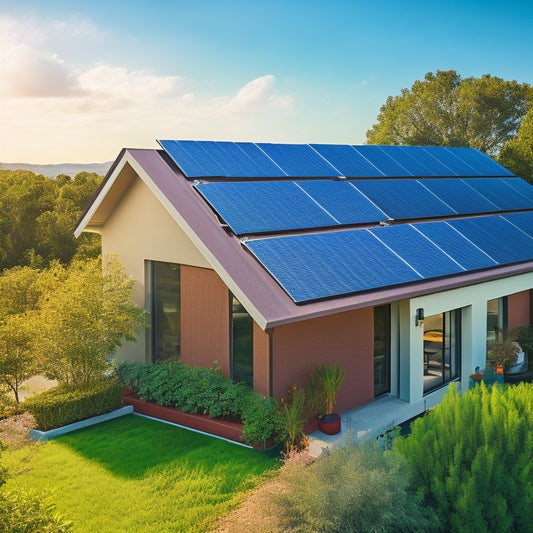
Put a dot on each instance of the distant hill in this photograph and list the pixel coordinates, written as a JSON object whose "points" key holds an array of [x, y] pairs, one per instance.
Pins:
{"points": [[51, 171]]}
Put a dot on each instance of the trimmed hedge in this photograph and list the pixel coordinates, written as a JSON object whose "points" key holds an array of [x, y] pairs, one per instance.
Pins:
{"points": [[200, 390], [62, 405]]}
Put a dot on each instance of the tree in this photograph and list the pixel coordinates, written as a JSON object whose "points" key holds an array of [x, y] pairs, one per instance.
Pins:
{"points": [[447, 110], [85, 316], [517, 154]]}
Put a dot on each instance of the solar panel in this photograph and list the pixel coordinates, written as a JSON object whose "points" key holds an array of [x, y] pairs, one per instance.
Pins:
{"points": [[403, 199], [497, 237], [446, 156], [428, 260], [499, 192], [314, 266], [192, 159], [299, 160], [343, 201], [409, 159], [262, 206], [482, 163], [382, 161], [459, 196], [267, 166], [523, 221], [455, 245], [521, 186], [347, 160]]}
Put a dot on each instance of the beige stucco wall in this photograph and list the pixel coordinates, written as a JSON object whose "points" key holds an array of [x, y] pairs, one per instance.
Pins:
{"points": [[140, 229]]}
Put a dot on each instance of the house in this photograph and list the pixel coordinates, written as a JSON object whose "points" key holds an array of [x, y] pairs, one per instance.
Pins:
{"points": [[398, 262]]}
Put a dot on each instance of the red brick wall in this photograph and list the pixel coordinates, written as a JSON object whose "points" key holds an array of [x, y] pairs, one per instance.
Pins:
{"points": [[345, 338]]}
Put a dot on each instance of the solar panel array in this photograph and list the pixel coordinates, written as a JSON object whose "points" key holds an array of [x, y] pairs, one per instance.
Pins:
{"points": [[413, 213], [203, 159]]}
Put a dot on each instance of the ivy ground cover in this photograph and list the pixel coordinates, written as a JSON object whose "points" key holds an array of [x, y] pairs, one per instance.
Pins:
{"points": [[137, 474]]}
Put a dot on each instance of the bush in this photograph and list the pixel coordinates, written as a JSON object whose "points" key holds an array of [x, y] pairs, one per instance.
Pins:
{"points": [[294, 415], [356, 488], [63, 405], [260, 417], [471, 457]]}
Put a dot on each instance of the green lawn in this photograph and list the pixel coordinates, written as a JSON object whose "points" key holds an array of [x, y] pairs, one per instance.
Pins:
{"points": [[135, 474]]}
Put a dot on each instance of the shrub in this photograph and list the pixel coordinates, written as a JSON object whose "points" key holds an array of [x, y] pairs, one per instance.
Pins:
{"points": [[294, 415], [63, 405], [471, 457], [260, 418], [356, 488]]}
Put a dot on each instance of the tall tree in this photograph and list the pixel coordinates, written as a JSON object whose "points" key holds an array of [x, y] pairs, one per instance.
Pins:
{"points": [[517, 154], [447, 110]]}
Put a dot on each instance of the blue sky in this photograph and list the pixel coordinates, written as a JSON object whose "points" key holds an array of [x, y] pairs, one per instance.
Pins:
{"points": [[81, 80]]}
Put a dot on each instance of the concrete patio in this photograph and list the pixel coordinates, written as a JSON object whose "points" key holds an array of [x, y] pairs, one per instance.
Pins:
{"points": [[367, 422]]}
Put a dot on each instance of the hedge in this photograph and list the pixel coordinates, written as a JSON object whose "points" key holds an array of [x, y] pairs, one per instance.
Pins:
{"points": [[62, 405]]}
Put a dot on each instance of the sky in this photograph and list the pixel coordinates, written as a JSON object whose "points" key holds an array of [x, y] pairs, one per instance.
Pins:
{"points": [[81, 80]]}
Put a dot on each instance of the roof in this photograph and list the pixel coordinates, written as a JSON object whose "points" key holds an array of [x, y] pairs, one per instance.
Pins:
{"points": [[300, 231]]}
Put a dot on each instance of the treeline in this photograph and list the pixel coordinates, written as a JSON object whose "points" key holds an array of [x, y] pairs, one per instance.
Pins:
{"points": [[38, 216]]}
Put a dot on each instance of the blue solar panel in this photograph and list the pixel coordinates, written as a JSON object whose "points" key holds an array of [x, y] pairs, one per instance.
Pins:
{"points": [[482, 163], [417, 251], [403, 199], [523, 221], [499, 192], [448, 159], [455, 245], [315, 266], [410, 159], [256, 207], [192, 159], [497, 237], [267, 166], [347, 161], [343, 201], [459, 196], [381, 160], [299, 160], [521, 186]]}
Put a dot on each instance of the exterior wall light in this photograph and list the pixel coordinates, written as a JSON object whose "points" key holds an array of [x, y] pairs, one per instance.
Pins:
{"points": [[419, 317]]}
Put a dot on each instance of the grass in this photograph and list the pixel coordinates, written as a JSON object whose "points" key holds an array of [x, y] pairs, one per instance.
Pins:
{"points": [[137, 474]]}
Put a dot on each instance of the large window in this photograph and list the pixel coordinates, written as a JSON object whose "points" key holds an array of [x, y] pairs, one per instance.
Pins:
{"points": [[242, 346], [442, 349], [381, 350], [163, 283]]}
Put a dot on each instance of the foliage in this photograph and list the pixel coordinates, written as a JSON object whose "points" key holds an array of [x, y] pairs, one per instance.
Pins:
{"points": [[471, 457], [447, 110], [85, 319], [355, 488], [134, 474], [326, 380], [523, 335], [502, 353], [17, 360], [517, 154], [202, 390], [294, 416], [39, 215], [63, 405]]}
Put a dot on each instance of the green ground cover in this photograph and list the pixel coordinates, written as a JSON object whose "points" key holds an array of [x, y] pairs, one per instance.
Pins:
{"points": [[136, 474]]}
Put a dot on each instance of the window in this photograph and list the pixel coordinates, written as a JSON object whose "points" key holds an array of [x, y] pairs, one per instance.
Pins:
{"points": [[242, 347], [497, 319], [163, 301], [442, 349], [381, 349]]}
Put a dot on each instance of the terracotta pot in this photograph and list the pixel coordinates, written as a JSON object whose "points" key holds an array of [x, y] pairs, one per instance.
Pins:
{"points": [[329, 424], [498, 369]]}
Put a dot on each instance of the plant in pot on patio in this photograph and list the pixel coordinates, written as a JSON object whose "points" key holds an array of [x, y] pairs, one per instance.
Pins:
{"points": [[326, 380], [502, 354]]}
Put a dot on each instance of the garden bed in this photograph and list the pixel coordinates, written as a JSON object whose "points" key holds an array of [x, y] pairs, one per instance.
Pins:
{"points": [[220, 428]]}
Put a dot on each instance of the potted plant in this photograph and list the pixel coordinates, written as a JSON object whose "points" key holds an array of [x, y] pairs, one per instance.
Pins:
{"points": [[326, 380], [502, 354]]}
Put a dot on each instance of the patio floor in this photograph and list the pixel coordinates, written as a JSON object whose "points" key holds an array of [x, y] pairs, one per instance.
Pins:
{"points": [[367, 422]]}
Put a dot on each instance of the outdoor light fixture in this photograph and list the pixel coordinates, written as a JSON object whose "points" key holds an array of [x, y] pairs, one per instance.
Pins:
{"points": [[419, 317]]}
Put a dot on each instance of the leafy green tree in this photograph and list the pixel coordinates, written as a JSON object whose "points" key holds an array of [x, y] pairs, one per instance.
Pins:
{"points": [[447, 110], [517, 154], [85, 316]]}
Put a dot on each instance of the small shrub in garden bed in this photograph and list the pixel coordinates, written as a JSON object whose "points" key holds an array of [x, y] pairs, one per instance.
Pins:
{"points": [[63, 405]]}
